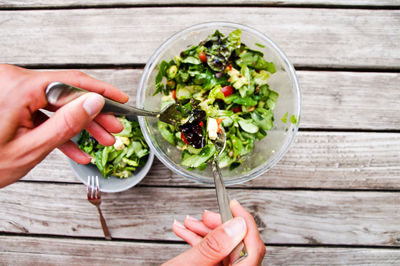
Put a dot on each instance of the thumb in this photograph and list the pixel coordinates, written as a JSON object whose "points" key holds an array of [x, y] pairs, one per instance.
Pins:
{"points": [[217, 245], [67, 121]]}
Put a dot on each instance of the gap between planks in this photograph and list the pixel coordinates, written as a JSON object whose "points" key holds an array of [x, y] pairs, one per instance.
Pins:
{"points": [[356, 69], [101, 240], [233, 187], [47, 5]]}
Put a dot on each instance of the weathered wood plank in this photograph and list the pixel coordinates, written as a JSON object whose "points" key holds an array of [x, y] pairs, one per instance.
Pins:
{"points": [[310, 37], [351, 100], [316, 160], [292, 217], [46, 251], [94, 3], [50, 251], [330, 256]]}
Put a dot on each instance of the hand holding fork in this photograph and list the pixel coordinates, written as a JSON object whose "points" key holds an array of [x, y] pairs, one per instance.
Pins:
{"points": [[94, 197]]}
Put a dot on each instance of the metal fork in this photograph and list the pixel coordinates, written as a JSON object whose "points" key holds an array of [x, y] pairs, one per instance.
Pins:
{"points": [[94, 197]]}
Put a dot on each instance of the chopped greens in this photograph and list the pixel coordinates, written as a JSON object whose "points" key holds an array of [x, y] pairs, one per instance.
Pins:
{"points": [[284, 118], [260, 45], [293, 119], [121, 160], [221, 83]]}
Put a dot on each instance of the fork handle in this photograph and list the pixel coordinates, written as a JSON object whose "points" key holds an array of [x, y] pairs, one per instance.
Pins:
{"points": [[107, 234], [239, 252]]}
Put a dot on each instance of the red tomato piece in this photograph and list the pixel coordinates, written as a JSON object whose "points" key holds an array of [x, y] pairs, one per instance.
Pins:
{"points": [[227, 90], [174, 94], [203, 57], [201, 124]]}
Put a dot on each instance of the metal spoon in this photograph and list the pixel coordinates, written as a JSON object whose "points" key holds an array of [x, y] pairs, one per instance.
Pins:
{"points": [[239, 252], [59, 94]]}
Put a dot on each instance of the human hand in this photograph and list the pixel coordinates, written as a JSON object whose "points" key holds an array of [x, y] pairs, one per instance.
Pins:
{"points": [[213, 241], [27, 135]]}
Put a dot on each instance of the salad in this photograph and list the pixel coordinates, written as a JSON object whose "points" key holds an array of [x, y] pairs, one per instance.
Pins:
{"points": [[121, 160], [221, 84]]}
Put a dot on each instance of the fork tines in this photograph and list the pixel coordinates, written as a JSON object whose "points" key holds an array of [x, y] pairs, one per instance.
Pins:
{"points": [[93, 189]]}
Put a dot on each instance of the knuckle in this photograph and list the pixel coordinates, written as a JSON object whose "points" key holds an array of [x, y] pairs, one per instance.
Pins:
{"points": [[79, 77], [210, 248], [7, 67], [3, 67], [263, 250], [77, 73]]}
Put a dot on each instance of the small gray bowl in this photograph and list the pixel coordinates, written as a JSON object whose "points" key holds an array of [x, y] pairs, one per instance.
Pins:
{"points": [[112, 184]]}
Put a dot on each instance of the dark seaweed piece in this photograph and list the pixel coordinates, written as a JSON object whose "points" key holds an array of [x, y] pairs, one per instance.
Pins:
{"points": [[192, 131]]}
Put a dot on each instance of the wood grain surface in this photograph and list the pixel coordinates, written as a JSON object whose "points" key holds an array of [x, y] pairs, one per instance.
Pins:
{"points": [[316, 160], [23, 250], [94, 3], [339, 38], [283, 217], [332, 200]]}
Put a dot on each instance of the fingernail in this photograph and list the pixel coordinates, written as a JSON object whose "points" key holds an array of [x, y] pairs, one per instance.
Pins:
{"points": [[235, 227], [93, 104], [234, 202], [178, 224], [191, 218], [206, 211]]}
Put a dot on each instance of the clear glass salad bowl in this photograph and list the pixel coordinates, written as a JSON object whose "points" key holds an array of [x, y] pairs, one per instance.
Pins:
{"points": [[269, 150]]}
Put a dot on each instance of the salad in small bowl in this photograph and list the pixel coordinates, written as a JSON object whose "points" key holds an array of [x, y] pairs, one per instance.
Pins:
{"points": [[120, 166], [225, 76]]}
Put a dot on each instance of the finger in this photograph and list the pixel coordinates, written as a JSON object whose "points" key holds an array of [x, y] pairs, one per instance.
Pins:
{"points": [[84, 81], [187, 235], [63, 125], [215, 246], [211, 219], [71, 150], [196, 226], [99, 133], [109, 123], [254, 245]]}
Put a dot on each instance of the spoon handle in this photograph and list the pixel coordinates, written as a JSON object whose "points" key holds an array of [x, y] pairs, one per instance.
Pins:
{"points": [[59, 94], [239, 252]]}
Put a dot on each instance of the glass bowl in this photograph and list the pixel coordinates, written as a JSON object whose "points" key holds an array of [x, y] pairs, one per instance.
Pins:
{"points": [[269, 150]]}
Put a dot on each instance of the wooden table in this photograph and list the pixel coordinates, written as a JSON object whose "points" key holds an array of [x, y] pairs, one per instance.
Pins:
{"points": [[333, 199]]}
